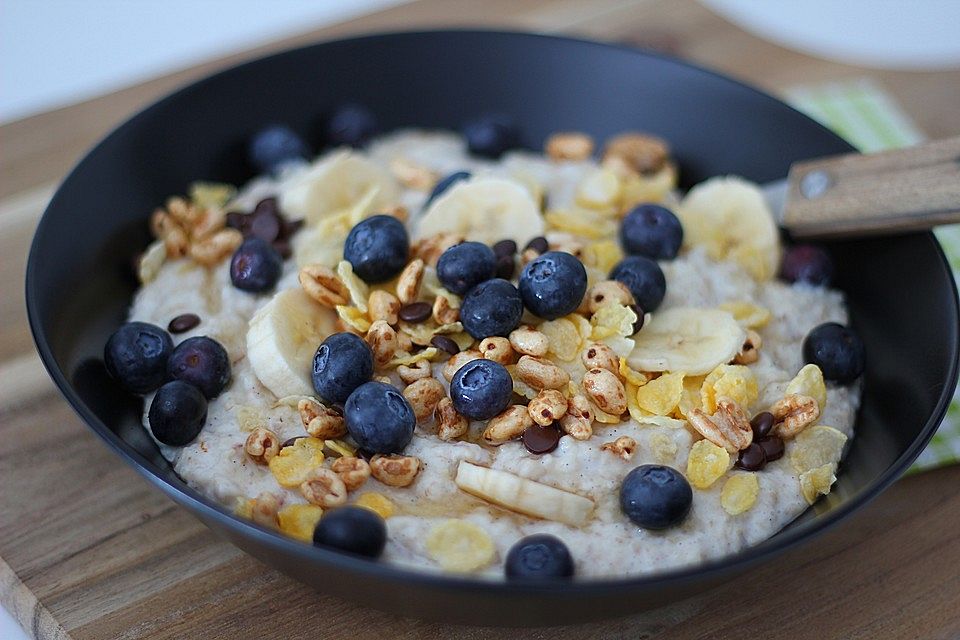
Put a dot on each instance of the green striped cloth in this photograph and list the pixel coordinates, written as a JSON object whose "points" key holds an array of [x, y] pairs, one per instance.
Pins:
{"points": [[867, 116]]}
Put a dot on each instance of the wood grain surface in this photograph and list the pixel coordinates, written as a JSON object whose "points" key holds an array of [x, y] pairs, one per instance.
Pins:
{"points": [[90, 550]]}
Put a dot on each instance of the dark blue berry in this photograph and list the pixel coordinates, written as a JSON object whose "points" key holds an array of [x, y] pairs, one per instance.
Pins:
{"points": [[491, 308], [256, 266], [274, 146], [445, 184], [655, 497], [837, 350], [652, 231], [136, 356], [481, 389], [203, 362], [464, 265], [807, 263], [491, 136], [352, 125], [352, 529], [177, 413], [552, 285], [342, 363], [379, 418], [644, 279], [539, 557], [377, 248]]}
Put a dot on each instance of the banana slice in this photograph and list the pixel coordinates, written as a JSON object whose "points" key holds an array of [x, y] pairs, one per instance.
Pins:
{"points": [[729, 216], [687, 339], [282, 338], [523, 495], [322, 243], [334, 183], [485, 210]]}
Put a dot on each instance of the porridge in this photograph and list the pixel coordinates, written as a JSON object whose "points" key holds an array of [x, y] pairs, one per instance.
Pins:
{"points": [[479, 360]]}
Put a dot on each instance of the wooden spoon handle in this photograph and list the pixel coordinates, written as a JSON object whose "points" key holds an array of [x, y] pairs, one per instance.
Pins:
{"points": [[882, 193]]}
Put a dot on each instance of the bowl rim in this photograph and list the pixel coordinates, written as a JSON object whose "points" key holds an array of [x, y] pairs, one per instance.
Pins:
{"points": [[194, 501]]}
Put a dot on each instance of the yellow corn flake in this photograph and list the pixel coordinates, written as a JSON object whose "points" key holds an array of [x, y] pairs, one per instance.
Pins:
{"points": [[603, 417], [563, 338], [359, 291], [733, 381], [463, 339], [582, 222], [635, 378], [403, 358], [248, 417], [353, 318], [584, 328], [640, 188], [661, 395], [341, 448], [739, 493], [815, 447], [662, 421], [294, 464], [460, 546], [603, 255], [376, 502], [747, 314], [633, 408], [299, 520], [422, 332], [809, 382], [211, 194], [600, 190], [817, 482], [690, 399], [706, 464], [663, 448], [612, 320], [243, 507]]}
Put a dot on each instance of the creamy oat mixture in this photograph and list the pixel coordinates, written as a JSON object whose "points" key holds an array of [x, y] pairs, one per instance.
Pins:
{"points": [[722, 307]]}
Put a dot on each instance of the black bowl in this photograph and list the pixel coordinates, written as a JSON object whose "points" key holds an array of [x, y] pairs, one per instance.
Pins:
{"points": [[900, 290]]}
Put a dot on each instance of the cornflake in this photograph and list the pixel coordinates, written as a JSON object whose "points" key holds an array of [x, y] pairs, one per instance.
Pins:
{"points": [[631, 376], [582, 222], [376, 502], [747, 314], [340, 447], [612, 320], [211, 194], [817, 482], [294, 464], [809, 382], [603, 255], [460, 546], [353, 318], [815, 447], [299, 520], [733, 381], [563, 338], [661, 395], [359, 291], [690, 399], [407, 359], [706, 464], [739, 493], [422, 332]]}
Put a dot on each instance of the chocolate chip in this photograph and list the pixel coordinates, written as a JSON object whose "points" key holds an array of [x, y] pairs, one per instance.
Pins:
{"points": [[265, 224], [772, 447], [283, 248], [290, 227], [364, 454], [415, 312], [183, 323], [752, 458], [445, 344], [237, 220], [505, 248], [538, 244], [539, 439], [762, 424], [267, 205], [639, 323], [506, 267]]}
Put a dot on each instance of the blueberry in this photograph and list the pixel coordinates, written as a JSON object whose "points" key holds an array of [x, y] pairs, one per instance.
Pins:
{"points": [[203, 362], [539, 557], [256, 266], [491, 308], [644, 279], [275, 145], [342, 363], [807, 263], [445, 184], [379, 418], [177, 413], [837, 350], [491, 136], [652, 231], [352, 529], [464, 265], [377, 248], [655, 497], [481, 389], [552, 285], [352, 125], [136, 356]]}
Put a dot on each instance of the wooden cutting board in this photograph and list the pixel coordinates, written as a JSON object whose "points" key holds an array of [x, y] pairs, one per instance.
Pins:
{"points": [[89, 550]]}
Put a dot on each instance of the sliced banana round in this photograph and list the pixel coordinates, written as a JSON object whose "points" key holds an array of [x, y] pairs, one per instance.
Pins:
{"points": [[523, 495], [283, 337], [484, 209], [687, 339], [336, 182], [729, 216]]}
